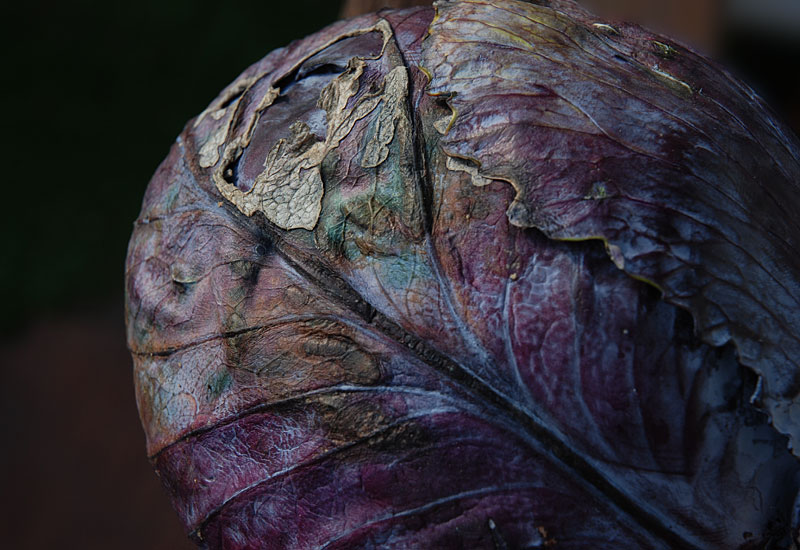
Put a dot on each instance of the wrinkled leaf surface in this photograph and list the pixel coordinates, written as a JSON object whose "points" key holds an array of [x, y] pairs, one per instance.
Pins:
{"points": [[369, 308]]}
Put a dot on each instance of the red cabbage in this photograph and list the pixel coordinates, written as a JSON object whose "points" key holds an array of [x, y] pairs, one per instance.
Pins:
{"points": [[495, 274]]}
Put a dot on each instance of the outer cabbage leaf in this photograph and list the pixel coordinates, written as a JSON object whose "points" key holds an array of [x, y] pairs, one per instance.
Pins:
{"points": [[625, 136], [350, 332]]}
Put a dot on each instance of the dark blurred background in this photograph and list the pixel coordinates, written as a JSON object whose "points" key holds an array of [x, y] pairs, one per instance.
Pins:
{"points": [[95, 93]]}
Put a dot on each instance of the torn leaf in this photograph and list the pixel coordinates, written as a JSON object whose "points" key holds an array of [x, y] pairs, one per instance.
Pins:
{"points": [[394, 108], [289, 189]]}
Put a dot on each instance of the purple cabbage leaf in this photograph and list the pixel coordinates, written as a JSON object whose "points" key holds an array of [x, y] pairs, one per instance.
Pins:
{"points": [[493, 274]]}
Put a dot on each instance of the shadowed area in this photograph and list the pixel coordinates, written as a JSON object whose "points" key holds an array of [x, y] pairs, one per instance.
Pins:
{"points": [[72, 468]]}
